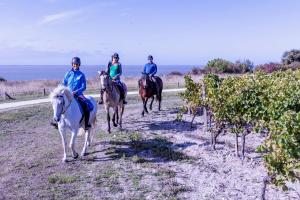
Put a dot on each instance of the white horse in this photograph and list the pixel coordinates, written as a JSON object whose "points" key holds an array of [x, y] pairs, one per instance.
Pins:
{"points": [[67, 113], [111, 99]]}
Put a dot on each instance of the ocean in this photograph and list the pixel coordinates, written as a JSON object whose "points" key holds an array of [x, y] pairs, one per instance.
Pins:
{"points": [[57, 72]]}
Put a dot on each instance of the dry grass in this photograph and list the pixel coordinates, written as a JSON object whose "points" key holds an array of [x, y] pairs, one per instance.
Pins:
{"points": [[22, 90]]}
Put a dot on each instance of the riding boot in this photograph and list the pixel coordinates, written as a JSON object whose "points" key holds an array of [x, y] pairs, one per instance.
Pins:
{"points": [[86, 120], [101, 97], [122, 94]]}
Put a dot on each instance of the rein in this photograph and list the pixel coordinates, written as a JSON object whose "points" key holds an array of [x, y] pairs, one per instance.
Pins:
{"points": [[66, 109]]}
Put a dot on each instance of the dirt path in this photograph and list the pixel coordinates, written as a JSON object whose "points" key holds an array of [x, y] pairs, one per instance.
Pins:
{"points": [[154, 157]]}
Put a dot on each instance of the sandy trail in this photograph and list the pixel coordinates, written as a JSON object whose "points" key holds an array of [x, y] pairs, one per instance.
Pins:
{"points": [[154, 157]]}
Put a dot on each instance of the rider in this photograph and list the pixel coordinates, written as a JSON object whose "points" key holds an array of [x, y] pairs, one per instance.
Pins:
{"points": [[76, 82], [150, 69], [114, 69]]}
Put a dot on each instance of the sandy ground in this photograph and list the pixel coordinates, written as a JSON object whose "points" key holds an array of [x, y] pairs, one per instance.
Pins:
{"points": [[154, 157]]}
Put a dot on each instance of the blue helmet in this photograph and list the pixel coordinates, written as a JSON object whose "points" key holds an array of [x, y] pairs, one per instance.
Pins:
{"points": [[76, 61]]}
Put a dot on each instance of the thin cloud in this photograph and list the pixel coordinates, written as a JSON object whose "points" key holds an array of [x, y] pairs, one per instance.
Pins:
{"points": [[59, 16]]}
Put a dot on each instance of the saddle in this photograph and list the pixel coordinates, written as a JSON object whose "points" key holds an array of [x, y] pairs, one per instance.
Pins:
{"points": [[121, 87], [85, 105], [85, 102]]}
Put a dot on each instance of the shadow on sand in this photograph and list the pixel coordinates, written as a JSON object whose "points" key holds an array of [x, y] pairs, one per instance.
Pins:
{"points": [[144, 150]]}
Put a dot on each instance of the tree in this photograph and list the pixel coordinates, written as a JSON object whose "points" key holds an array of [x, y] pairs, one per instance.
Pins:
{"points": [[289, 57]]}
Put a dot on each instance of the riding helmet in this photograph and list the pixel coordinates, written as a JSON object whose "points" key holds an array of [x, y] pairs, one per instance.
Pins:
{"points": [[76, 61], [115, 55], [150, 57]]}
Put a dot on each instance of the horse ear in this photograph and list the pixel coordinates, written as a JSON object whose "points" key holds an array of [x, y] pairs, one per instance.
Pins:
{"points": [[68, 94], [101, 73]]}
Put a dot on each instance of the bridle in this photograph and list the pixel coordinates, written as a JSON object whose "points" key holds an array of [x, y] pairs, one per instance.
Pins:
{"points": [[107, 81], [143, 81], [65, 109]]}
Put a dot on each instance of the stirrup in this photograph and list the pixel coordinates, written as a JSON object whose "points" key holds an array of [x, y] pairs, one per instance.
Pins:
{"points": [[100, 102], [124, 101]]}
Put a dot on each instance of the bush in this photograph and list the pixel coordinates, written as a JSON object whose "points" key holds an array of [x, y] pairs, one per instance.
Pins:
{"points": [[289, 57], [198, 70], [293, 66], [2, 79], [175, 73], [223, 66], [217, 65], [269, 67]]}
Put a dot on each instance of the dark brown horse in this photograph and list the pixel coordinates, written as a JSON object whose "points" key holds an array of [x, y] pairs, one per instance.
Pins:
{"points": [[147, 90]]}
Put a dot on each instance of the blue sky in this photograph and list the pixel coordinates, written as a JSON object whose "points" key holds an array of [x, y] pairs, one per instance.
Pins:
{"points": [[175, 32]]}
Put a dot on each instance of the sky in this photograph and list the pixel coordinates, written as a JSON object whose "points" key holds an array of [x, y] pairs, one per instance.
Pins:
{"points": [[182, 32]]}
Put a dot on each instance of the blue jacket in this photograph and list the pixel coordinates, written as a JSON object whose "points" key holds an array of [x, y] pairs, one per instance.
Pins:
{"points": [[76, 81], [150, 68]]}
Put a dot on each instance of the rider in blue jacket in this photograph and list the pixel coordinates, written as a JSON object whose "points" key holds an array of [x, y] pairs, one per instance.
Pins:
{"points": [[76, 82], [75, 79], [151, 69]]}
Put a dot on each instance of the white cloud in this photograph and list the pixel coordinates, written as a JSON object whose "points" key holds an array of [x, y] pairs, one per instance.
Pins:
{"points": [[59, 16]]}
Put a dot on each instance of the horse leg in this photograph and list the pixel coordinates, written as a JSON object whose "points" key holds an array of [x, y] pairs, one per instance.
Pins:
{"points": [[72, 144], [86, 143], [143, 112], [108, 120], [115, 117], [145, 105], [159, 101], [121, 114], [150, 107], [89, 140], [117, 113], [64, 142]]}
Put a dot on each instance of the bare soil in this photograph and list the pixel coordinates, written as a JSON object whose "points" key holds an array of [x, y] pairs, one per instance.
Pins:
{"points": [[154, 157]]}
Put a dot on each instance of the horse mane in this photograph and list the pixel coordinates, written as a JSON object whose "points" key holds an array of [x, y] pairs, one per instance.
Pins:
{"points": [[59, 90]]}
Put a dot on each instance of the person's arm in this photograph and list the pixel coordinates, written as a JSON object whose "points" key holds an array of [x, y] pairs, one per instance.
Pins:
{"points": [[120, 72], [108, 67], [65, 81], [155, 70], [145, 67], [82, 85]]}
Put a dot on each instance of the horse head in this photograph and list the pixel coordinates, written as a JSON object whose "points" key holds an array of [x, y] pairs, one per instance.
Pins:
{"points": [[105, 80], [144, 82], [61, 97]]}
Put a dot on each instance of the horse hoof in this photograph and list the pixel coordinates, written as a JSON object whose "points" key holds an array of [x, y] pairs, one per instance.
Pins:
{"points": [[64, 160], [75, 156], [115, 125], [83, 155]]}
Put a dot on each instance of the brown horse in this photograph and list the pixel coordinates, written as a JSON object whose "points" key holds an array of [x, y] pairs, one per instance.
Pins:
{"points": [[147, 89]]}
